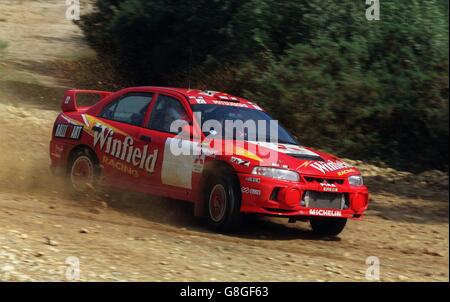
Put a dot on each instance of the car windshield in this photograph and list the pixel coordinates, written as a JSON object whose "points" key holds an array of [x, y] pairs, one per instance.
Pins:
{"points": [[257, 124]]}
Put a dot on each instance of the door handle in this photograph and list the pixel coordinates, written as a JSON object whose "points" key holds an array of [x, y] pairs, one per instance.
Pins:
{"points": [[146, 138]]}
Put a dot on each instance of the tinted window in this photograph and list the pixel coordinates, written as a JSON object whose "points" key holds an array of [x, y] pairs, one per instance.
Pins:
{"points": [[166, 111], [231, 113], [130, 109]]}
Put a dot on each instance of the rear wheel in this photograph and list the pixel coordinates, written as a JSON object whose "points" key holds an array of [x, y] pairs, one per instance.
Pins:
{"points": [[327, 226], [223, 203], [83, 172]]}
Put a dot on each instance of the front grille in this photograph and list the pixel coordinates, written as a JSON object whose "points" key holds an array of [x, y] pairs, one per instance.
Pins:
{"points": [[324, 180], [325, 200]]}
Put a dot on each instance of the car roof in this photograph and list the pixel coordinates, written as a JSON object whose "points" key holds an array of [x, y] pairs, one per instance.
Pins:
{"points": [[196, 96]]}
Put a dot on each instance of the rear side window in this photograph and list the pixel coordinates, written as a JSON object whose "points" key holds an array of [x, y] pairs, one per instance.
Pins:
{"points": [[130, 109]]}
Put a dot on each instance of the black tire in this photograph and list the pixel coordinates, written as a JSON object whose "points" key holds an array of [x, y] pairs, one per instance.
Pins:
{"points": [[87, 158], [231, 217], [327, 226]]}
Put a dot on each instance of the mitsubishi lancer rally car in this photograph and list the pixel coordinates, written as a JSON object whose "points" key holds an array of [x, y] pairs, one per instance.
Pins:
{"points": [[176, 143]]}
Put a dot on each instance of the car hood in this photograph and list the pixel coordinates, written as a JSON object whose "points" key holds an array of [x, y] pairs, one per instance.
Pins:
{"points": [[304, 160]]}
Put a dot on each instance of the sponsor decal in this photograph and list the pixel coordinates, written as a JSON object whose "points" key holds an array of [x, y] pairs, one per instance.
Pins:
{"points": [[330, 166], [68, 131], [93, 121], [328, 187], [76, 132], [85, 120], [58, 151], [305, 164], [287, 148], [120, 166], [199, 163], [240, 162], [124, 149], [328, 213], [199, 99], [246, 153], [177, 167], [61, 131], [346, 172], [227, 103], [247, 190], [253, 179]]}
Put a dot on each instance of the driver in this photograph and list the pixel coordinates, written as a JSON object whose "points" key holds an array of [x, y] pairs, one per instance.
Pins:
{"points": [[172, 114]]}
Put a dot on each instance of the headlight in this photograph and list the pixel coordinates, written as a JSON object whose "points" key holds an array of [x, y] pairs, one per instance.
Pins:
{"points": [[355, 180], [276, 173]]}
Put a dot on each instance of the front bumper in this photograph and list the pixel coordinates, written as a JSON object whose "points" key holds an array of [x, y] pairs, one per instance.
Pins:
{"points": [[273, 197]]}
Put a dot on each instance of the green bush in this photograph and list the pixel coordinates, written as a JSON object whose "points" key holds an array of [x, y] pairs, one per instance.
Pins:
{"points": [[378, 91], [366, 89], [152, 42]]}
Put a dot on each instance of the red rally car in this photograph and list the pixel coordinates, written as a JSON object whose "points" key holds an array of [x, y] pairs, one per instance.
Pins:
{"points": [[128, 140]]}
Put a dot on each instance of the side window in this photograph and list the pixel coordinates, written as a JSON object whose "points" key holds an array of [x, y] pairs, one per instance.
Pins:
{"points": [[165, 112], [130, 109], [108, 111]]}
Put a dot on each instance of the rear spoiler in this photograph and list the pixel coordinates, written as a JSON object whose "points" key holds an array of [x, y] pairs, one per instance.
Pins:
{"points": [[69, 102]]}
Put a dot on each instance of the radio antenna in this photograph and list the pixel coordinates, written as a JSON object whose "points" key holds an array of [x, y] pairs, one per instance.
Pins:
{"points": [[189, 67]]}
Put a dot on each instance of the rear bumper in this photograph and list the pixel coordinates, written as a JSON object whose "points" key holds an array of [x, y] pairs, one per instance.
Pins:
{"points": [[267, 196]]}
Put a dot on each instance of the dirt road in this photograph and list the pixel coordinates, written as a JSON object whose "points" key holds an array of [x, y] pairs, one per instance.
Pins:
{"points": [[44, 232]]}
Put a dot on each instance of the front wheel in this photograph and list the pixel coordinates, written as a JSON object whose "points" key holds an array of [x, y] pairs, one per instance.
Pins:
{"points": [[327, 226], [223, 204]]}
